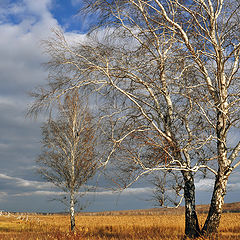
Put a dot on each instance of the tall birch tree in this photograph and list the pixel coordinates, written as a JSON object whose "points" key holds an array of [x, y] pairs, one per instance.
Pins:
{"points": [[208, 32]]}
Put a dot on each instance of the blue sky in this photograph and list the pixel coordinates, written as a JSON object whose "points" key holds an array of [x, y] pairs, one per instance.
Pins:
{"points": [[23, 24]]}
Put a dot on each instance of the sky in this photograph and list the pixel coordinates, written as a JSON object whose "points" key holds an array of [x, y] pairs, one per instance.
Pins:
{"points": [[23, 25]]}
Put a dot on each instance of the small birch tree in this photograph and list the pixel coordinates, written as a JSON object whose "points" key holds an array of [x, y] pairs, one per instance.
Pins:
{"points": [[68, 155]]}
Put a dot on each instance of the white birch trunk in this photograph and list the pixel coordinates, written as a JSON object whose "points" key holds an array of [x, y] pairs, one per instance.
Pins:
{"points": [[72, 211]]}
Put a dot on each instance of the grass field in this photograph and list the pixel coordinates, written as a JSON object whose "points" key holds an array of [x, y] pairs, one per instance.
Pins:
{"points": [[157, 227]]}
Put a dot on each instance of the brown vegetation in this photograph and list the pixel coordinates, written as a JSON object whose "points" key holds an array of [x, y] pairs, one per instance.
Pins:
{"points": [[155, 225]]}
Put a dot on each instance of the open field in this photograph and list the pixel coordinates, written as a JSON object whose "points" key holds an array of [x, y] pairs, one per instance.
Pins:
{"points": [[112, 226]]}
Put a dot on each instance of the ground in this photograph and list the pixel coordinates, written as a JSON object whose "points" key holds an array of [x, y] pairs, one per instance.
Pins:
{"points": [[143, 224]]}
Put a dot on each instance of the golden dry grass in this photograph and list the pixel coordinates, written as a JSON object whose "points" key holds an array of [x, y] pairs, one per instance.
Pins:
{"points": [[155, 227]]}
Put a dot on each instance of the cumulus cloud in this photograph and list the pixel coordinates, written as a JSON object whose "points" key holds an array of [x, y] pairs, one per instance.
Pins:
{"points": [[21, 55]]}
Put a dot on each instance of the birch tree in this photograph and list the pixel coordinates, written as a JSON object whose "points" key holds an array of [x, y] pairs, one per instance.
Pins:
{"points": [[208, 32], [168, 72], [68, 156]]}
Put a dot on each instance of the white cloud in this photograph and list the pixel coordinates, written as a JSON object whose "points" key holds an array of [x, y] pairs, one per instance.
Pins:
{"points": [[4, 176], [208, 184], [74, 38], [23, 183], [29, 188], [137, 190], [204, 184], [43, 185], [128, 191], [21, 54], [38, 7], [39, 193]]}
